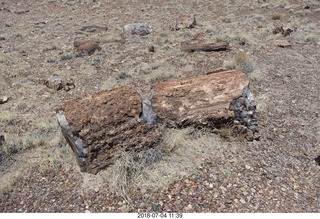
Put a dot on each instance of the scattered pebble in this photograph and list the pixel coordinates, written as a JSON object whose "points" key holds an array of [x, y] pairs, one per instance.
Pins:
{"points": [[4, 99]]}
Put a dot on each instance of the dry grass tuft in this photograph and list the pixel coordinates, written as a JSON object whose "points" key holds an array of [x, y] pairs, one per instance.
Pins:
{"points": [[179, 154], [242, 61], [276, 17], [7, 185]]}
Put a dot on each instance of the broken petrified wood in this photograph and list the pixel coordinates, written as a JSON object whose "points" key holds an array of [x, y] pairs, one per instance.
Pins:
{"points": [[207, 47], [199, 100], [100, 126]]}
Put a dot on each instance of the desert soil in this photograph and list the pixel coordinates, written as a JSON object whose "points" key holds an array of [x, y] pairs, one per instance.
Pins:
{"points": [[278, 173]]}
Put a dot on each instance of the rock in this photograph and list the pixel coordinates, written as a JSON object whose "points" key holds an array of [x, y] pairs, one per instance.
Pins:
{"points": [[243, 201], [285, 31], [317, 160], [192, 22], [284, 44], [100, 126], [151, 49], [56, 83], [89, 46], [141, 29], [184, 22], [154, 207], [188, 208], [4, 99], [2, 140]]}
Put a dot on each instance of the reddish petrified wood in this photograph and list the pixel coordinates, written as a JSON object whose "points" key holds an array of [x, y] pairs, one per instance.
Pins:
{"points": [[201, 99]]}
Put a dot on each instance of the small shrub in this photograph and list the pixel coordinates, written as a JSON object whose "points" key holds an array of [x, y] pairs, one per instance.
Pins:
{"points": [[276, 17], [160, 77], [122, 75], [241, 62]]}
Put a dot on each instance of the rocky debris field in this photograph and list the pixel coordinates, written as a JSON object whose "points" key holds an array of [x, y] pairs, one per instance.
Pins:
{"points": [[52, 51]]}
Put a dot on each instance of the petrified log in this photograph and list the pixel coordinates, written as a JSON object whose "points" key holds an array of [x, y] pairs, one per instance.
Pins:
{"points": [[100, 126], [207, 47], [198, 100]]}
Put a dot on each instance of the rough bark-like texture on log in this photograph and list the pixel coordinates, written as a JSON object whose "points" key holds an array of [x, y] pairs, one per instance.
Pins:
{"points": [[106, 123], [198, 100], [209, 47]]}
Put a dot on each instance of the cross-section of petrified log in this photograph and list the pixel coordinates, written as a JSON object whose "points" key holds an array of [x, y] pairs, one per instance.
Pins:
{"points": [[100, 126], [198, 100]]}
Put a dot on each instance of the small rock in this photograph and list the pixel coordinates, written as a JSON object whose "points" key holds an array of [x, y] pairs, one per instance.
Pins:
{"points": [[96, 190], [54, 82], [242, 201], [188, 208], [211, 185], [2, 140], [284, 44], [223, 189], [87, 211], [151, 49], [141, 29], [4, 99], [154, 207], [89, 46]]}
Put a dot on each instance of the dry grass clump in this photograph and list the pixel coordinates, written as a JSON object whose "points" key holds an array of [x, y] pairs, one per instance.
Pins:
{"points": [[157, 73], [41, 149], [242, 62], [276, 17], [179, 154], [7, 185], [42, 134]]}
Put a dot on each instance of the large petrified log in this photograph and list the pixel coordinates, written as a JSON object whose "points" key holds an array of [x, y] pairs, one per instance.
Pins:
{"points": [[198, 100], [100, 126]]}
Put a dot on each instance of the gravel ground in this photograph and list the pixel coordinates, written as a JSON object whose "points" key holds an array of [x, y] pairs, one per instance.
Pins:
{"points": [[279, 173]]}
